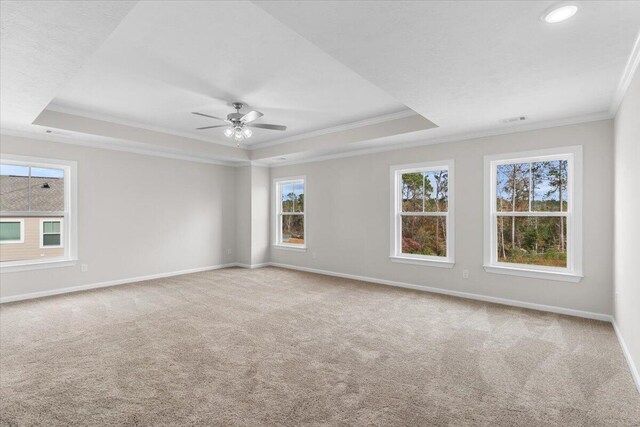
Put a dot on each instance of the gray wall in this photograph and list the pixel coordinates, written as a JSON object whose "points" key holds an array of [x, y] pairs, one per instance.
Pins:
{"points": [[138, 215], [627, 226], [260, 191], [252, 215], [348, 217], [243, 215]]}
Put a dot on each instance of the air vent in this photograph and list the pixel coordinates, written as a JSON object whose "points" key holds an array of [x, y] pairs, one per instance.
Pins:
{"points": [[57, 132], [514, 119]]}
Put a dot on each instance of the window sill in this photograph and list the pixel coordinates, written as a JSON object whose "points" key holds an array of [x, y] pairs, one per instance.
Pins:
{"points": [[11, 267], [297, 248], [420, 261], [534, 274]]}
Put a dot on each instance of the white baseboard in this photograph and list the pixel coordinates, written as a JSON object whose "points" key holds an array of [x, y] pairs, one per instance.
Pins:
{"points": [[627, 355], [504, 301], [478, 297], [59, 291], [251, 266]]}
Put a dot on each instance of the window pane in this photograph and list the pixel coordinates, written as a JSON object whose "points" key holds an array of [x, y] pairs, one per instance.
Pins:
{"points": [[424, 235], [51, 240], [287, 197], [298, 192], [549, 182], [512, 187], [293, 229], [436, 186], [9, 231], [47, 189], [532, 240], [51, 226], [14, 188], [412, 192]]}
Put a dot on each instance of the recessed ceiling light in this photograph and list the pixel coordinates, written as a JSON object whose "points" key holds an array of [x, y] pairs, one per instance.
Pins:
{"points": [[559, 12]]}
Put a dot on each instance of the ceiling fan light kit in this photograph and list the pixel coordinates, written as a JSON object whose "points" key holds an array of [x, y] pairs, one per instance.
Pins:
{"points": [[238, 127]]}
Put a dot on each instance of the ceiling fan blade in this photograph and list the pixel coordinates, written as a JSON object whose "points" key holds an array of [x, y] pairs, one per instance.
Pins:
{"points": [[266, 126], [206, 115], [211, 127], [251, 116]]}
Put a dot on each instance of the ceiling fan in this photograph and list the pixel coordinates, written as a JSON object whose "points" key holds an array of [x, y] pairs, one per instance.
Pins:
{"points": [[238, 123]]}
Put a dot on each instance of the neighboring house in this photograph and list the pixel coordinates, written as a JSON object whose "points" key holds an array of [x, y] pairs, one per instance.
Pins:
{"points": [[30, 225]]}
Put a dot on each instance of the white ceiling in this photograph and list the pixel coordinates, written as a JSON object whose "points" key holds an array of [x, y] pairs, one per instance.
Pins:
{"points": [[317, 67], [40, 50], [167, 59], [467, 65]]}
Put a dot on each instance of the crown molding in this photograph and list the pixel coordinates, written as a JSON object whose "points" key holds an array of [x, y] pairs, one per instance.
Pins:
{"points": [[339, 128], [119, 145], [119, 121], [605, 115], [144, 149], [343, 127], [626, 77]]}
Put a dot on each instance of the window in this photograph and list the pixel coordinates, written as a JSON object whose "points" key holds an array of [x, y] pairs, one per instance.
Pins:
{"points": [[423, 214], [37, 213], [11, 230], [51, 232], [290, 228], [534, 225]]}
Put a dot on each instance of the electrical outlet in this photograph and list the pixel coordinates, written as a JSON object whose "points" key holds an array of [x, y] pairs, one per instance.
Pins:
{"points": [[84, 268], [314, 255], [465, 274], [228, 251]]}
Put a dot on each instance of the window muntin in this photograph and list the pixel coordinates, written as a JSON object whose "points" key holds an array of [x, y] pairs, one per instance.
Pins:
{"points": [[290, 212], [34, 191], [51, 234], [423, 212], [534, 218], [11, 230]]}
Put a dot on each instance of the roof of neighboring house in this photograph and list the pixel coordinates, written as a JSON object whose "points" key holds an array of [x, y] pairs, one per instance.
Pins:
{"points": [[47, 194]]}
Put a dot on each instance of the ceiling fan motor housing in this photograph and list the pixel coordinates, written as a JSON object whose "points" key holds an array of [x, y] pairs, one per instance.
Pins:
{"points": [[235, 117]]}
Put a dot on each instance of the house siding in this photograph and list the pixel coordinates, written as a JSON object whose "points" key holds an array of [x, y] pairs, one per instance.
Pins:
{"points": [[30, 248]]}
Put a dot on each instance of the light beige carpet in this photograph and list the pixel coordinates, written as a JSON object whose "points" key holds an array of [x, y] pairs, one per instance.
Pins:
{"points": [[276, 347]]}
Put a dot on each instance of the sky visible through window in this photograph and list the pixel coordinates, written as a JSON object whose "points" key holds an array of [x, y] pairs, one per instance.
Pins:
{"points": [[291, 196], [16, 170], [545, 183], [295, 188]]}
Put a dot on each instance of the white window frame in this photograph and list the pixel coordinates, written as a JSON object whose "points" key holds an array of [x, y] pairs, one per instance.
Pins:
{"points": [[277, 223], [396, 254], [573, 271], [42, 233], [69, 215], [21, 240]]}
